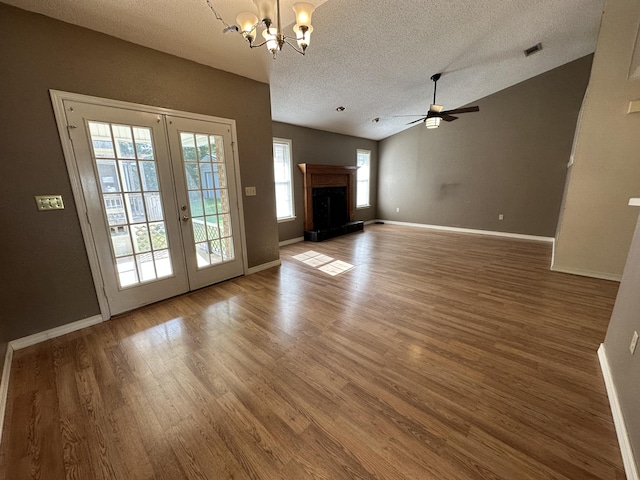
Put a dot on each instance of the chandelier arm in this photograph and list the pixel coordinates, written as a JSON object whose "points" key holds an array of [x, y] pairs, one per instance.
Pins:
{"points": [[257, 46], [286, 40]]}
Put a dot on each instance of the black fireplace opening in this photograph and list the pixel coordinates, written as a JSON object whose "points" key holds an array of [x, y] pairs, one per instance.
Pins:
{"points": [[330, 209]]}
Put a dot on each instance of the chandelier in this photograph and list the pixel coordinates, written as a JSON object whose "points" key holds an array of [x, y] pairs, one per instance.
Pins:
{"points": [[247, 23]]}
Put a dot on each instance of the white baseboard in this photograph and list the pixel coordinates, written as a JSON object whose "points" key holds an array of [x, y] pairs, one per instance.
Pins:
{"points": [[54, 332], [587, 273], [369, 222], [264, 266], [291, 241], [27, 342], [630, 467], [519, 236], [4, 386]]}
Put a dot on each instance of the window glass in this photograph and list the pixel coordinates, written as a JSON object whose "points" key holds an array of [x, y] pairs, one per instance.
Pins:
{"points": [[282, 169], [362, 178]]}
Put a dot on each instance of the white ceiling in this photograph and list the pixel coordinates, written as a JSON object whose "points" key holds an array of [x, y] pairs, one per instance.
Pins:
{"points": [[374, 57]]}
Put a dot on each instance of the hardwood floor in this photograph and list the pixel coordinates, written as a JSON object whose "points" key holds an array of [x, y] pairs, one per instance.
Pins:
{"points": [[439, 356]]}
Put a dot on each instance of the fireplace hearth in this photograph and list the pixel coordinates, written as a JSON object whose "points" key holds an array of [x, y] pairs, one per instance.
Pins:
{"points": [[329, 201]]}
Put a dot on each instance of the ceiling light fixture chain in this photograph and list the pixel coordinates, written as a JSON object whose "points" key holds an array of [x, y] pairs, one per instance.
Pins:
{"points": [[247, 24]]}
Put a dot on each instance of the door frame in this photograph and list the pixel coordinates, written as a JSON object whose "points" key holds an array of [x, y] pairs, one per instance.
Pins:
{"points": [[58, 98]]}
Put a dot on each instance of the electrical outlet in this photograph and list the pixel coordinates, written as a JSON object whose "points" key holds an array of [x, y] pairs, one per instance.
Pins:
{"points": [[501, 217], [398, 210], [634, 342], [250, 191]]}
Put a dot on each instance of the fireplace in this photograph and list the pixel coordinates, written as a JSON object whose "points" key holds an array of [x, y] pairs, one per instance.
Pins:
{"points": [[329, 201]]}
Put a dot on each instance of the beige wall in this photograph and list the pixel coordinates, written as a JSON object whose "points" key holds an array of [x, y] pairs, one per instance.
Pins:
{"points": [[510, 158], [316, 146], [46, 280], [595, 228], [597, 224], [625, 368]]}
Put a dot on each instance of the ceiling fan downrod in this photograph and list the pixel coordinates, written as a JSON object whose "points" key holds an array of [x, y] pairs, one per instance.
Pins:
{"points": [[435, 79]]}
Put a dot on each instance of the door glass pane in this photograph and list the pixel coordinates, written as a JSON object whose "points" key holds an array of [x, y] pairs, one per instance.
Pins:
{"points": [[195, 203], [135, 207], [127, 272], [154, 206], [222, 200], [219, 176], [202, 254], [123, 141], [149, 176], [206, 182], [114, 209], [163, 263], [108, 173], [146, 267], [224, 225], [193, 176], [216, 251], [141, 240], [129, 175], [158, 235], [121, 241], [202, 141], [212, 227], [144, 147], [101, 140], [209, 202], [124, 159], [188, 147], [227, 248]]}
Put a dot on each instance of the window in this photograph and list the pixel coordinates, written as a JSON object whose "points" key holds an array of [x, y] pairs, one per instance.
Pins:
{"points": [[282, 169], [362, 178]]}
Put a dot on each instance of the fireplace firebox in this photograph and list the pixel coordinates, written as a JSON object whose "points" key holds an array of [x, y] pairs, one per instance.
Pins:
{"points": [[329, 201]]}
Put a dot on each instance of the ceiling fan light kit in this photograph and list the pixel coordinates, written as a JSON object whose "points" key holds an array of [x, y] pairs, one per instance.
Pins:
{"points": [[432, 122], [268, 17]]}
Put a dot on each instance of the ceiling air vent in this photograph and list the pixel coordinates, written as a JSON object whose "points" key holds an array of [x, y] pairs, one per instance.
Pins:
{"points": [[531, 50]]}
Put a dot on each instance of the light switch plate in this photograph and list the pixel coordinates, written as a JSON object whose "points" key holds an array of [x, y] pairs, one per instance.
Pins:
{"points": [[250, 191], [49, 202]]}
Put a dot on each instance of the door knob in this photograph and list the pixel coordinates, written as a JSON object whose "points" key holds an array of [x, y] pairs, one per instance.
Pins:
{"points": [[185, 218]]}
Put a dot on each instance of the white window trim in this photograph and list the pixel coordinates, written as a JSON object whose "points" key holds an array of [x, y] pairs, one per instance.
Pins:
{"points": [[368, 204], [293, 203]]}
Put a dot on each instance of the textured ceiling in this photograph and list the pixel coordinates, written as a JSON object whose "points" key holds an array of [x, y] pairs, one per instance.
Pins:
{"points": [[374, 57]]}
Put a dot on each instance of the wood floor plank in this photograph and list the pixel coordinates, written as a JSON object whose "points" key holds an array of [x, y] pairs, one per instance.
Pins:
{"points": [[439, 355]]}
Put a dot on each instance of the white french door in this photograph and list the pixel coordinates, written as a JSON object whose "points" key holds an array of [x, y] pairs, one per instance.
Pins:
{"points": [[161, 200], [208, 199]]}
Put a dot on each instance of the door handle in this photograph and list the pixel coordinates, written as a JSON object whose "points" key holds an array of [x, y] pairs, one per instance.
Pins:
{"points": [[185, 218]]}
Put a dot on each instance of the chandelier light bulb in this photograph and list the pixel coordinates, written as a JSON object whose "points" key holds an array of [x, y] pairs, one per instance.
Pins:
{"points": [[266, 9], [247, 22], [303, 13], [271, 38]]}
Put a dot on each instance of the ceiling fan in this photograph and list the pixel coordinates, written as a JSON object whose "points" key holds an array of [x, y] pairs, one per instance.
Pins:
{"points": [[435, 114]]}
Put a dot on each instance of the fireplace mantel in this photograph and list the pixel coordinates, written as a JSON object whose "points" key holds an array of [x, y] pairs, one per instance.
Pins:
{"points": [[318, 176]]}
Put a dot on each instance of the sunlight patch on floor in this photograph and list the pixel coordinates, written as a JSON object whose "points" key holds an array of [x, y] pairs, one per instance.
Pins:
{"points": [[324, 263]]}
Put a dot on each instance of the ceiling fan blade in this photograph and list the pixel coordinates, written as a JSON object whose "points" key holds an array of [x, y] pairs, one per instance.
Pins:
{"points": [[461, 110], [416, 121], [448, 118]]}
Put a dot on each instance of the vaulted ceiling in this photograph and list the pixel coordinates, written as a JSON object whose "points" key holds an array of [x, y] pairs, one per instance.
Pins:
{"points": [[373, 57]]}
